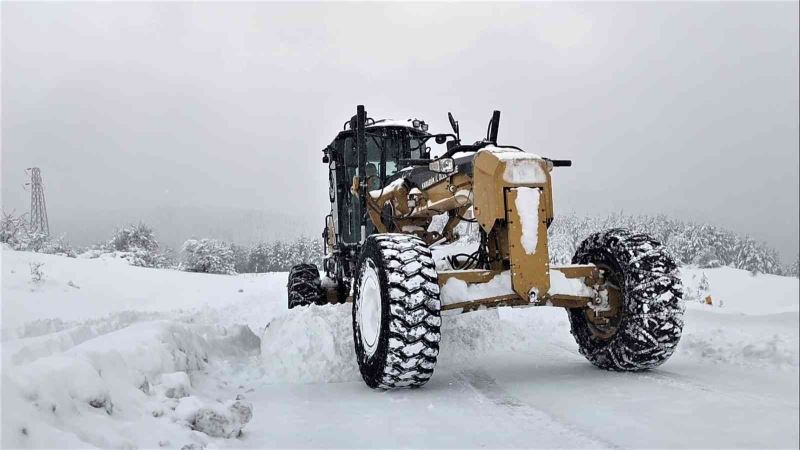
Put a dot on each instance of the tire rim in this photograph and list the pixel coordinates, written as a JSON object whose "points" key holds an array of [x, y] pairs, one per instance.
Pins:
{"points": [[369, 308]]}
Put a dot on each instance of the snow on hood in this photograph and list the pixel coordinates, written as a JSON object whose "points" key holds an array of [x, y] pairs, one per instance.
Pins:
{"points": [[521, 167]]}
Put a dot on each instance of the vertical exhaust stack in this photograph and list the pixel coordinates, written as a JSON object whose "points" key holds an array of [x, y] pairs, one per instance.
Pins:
{"points": [[494, 125], [361, 147]]}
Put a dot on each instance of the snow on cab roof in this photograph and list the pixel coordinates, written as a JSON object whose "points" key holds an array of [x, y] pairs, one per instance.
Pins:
{"points": [[392, 123]]}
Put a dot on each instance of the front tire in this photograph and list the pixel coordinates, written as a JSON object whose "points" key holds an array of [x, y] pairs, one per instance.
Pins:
{"points": [[396, 321], [649, 325]]}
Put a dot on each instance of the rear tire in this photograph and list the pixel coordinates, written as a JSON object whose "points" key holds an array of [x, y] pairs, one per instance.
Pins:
{"points": [[396, 321], [651, 319], [304, 286]]}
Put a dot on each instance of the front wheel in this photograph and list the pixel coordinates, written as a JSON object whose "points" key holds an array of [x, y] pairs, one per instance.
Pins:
{"points": [[648, 326], [396, 312]]}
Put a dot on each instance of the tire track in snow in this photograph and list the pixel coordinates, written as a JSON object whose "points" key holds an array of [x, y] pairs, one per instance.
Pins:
{"points": [[680, 381], [560, 434], [683, 382]]}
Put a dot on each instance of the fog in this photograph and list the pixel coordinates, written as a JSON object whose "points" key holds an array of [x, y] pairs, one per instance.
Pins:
{"points": [[688, 109]]}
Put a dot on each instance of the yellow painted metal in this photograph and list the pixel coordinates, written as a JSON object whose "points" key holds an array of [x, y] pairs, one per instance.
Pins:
{"points": [[530, 272], [468, 276], [492, 191], [565, 301], [589, 273], [491, 302], [489, 185]]}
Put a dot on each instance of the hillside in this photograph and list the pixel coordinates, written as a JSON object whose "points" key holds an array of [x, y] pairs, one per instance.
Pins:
{"points": [[103, 354]]}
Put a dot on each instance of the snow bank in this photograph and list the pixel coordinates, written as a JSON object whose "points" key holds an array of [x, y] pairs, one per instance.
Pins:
{"points": [[739, 291], [118, 382], [111, 292], [743, 340], [310, 344], [315, 344], [102, 353]]}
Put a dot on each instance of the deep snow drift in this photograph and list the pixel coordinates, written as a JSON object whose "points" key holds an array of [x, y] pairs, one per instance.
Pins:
{"points": [[103, 354]]}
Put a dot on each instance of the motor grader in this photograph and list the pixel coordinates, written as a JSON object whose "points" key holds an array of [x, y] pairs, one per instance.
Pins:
{"points": [[621, 292]]}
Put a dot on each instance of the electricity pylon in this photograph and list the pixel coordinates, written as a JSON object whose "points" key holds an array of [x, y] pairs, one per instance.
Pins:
{"points": [[38, 206]]}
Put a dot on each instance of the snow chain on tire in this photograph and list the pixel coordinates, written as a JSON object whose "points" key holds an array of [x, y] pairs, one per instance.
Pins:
{"points": [[407, 344], [304, 286], [652, 307]]}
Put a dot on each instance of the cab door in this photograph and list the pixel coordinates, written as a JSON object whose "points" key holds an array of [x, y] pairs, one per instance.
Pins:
{"points": [[348, 206]]}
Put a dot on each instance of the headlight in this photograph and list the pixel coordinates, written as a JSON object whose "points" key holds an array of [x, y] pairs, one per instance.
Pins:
{"points": [[415, 123], [443, 165]]}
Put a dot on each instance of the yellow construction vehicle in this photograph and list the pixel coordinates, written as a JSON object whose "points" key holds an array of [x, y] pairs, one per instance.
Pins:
{"points": [[622, 292]]}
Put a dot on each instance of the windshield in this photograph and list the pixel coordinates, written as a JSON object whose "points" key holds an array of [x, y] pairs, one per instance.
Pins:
{"points": [[387, 146]]}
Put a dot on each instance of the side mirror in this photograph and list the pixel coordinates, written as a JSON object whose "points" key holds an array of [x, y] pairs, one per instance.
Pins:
{"points": [[325, 152], [453, 123], [440, 139]]}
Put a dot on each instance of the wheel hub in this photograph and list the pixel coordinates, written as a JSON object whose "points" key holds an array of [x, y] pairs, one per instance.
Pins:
{"points": [[369, 308], [603, 323]]}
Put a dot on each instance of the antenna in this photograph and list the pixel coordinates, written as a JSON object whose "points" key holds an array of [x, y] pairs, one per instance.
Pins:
{"points": [[38, 206]]}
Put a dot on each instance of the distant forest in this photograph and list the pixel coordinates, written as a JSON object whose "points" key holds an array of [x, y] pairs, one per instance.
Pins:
{"points": [[702, 245]]}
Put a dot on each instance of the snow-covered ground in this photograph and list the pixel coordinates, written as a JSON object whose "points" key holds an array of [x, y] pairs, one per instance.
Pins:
{"points": [[103, 354]]}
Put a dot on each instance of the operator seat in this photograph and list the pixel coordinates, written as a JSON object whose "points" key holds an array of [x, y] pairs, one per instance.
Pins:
{"points": [[373, 178]]}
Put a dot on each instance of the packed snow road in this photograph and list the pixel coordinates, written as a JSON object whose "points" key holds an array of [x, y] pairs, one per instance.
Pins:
{"points": [[103, 354]]}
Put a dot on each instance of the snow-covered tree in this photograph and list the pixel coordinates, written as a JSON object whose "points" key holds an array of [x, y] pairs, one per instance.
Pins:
{"points": [[15, 232], [260, 258], [756, 257], [208, 256], [703, 245], [13, 229], [137, 244], [133, 237], [241, 257]]}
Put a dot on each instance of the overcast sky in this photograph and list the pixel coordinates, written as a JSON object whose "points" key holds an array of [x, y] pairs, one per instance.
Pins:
{"points": [[690, 109]]}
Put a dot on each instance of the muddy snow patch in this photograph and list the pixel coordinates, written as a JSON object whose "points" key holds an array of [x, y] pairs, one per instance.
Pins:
{"points": [[224, 420], [309, 345]]}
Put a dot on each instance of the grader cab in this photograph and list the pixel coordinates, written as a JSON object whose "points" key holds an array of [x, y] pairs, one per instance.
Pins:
{"points": [[401, 274]]}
